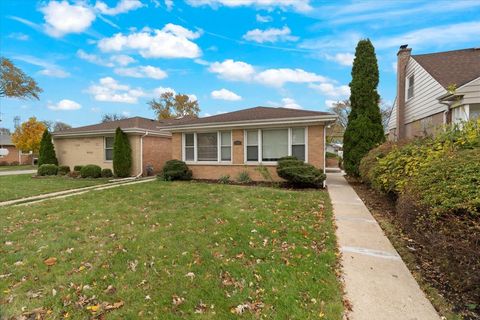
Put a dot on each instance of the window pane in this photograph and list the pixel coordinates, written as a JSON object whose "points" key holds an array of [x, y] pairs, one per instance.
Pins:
{"points": [[226, 153], [252, 153], [109, 142], [207, 146], [189, 156], [298, 151], [274, 144], [108, 154], [298, 136], [189, 140], [226, 138], [252, 138]]}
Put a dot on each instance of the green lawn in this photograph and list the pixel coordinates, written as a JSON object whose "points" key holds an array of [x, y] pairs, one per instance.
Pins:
{"points": [[23, 185], [20, 167], [181, 250]]}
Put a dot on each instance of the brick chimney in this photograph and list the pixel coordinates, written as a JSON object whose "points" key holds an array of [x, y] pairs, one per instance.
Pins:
{"points": [[403, 56]]}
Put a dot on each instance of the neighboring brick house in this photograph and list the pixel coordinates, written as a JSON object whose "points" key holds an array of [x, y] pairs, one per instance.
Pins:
{"points": [[434, 89], [14, 156], [230, 143], [93, 144]]}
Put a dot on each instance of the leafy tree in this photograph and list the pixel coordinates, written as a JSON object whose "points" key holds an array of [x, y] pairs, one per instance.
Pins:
{"points": [[28, 135], [122, 154], [60, 126], [364, 129], [15, 83], [109, 117], [172, 105], [47, 150]]}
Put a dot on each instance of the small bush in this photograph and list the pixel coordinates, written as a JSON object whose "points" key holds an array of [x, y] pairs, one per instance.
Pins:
{"points": [[244, 177], [302, 176], [224, 179], [74, 174], [370, 161], [63, 170], [77, 168], [107, 173], [91, 171], [175, 170], [14, 163], [47, 170]]}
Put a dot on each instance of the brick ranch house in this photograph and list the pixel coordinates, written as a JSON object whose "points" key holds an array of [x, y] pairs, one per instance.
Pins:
{"points": [[434, 89], [224, 144], [243, 140], [14, 156]]}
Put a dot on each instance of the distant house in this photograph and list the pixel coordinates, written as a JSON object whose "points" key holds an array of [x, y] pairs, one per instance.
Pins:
{"points": [[9, 154], [248, 139], [434, 89], [93, 144]]}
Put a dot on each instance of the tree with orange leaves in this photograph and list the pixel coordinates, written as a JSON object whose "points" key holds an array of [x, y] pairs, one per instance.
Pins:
{"points": [[27, 137]]}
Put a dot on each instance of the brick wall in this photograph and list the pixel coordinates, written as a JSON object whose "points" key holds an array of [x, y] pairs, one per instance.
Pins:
{"points": [[316, 154], [216, 171], [156, 151], [15, 156]]}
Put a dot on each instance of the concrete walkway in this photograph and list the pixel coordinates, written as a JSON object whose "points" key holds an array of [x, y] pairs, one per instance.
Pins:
{"points": [[14, 172], [377, 282]]}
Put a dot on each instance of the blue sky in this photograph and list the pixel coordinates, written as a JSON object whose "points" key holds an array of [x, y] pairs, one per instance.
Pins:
{"points": [[96, 57]]}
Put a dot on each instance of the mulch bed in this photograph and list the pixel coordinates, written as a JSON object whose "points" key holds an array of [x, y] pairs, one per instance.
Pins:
{"points": [[383, 207]]}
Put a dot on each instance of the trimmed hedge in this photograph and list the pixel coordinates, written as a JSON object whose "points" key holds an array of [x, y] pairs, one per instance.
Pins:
{"points": [[47, 170], [91, 171], [175, 170], [63, 170], [300, 174], [107, 173], [77, 168]]}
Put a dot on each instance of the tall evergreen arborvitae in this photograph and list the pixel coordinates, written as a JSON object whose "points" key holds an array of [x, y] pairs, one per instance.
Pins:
{"points": [[364, 129], [46, 153], [122, 154]]}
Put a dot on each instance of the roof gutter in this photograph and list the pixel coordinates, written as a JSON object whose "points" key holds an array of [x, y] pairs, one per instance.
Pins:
{"points": [[109, 131]]}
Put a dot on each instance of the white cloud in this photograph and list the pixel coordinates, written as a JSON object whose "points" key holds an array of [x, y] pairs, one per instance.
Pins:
{"points": [[95, 109], [192, 97], [344, 59], [142, 72], [224, 94], [92, 58], [263, 19], [290, 104], [158, 91], [126, 113], [121, 7], [54, 73], [233, 70], [270, 35], [332, 90], [64, 104], [49, 69], [122, 59], [19, 36], [173, 41], [110, 90], [278, 77], [296, 5], [63, 18], [169, 5]]}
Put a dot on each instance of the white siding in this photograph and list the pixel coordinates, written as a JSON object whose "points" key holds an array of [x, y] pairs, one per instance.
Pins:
{"points": [[426, 92], [470, 92], [392, 121]]}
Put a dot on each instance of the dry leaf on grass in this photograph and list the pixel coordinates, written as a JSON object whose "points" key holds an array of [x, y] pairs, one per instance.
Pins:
{"points": [[176, 300], [50, 261], [201, 308]]}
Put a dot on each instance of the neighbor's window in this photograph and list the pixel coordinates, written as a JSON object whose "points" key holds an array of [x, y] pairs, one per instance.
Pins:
{"points": [[109, 148], [274, 144], [225, 146], [411, 81], [252, 145], [298, 143], [207, 146], [189, 147]]}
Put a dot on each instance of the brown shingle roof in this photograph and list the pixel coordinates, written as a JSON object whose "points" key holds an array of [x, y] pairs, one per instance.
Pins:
{"points": [[257, 113], [452, 67]]}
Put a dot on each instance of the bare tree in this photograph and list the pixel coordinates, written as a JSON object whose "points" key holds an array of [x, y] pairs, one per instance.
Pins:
{"points": [[60, 126], [109, 117]]}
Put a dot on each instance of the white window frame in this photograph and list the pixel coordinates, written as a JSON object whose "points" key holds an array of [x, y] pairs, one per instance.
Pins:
{"points": [[259, 139], [219, 148], [412, 76], [105, 148]]}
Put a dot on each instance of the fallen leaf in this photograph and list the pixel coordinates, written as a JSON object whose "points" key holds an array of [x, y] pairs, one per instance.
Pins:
{"points": [[94, 308], [201, 308], [176, 300], [114, 306], [50, 261]]}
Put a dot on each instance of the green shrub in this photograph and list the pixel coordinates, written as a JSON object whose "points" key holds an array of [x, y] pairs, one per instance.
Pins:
{"points": [[370, 161], [63, 170], [47, 170], [329, 154], [224, 179], [302, 176], [46, 154], [244, 177], [175, 170], [107, 173], [122, 154], [77, 168], [91, 171], [450, 184]]}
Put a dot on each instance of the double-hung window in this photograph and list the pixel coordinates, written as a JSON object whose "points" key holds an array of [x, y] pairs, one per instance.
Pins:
{"points": [[108, 144], [269, 145], [411, 82], [207, 146]]}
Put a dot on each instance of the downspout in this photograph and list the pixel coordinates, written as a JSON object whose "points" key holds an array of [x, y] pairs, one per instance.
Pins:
{"points": [[141, 155]]}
